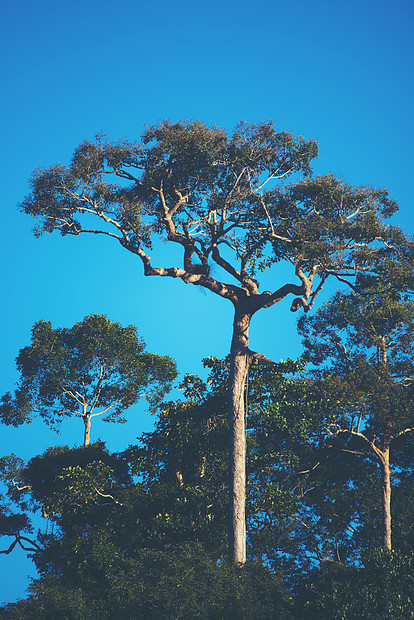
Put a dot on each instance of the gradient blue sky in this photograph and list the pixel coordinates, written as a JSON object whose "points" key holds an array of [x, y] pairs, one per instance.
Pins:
{"points": [[339, 72]]}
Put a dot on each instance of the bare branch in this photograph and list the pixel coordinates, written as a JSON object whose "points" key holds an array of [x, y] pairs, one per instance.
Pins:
{"points": [[308, 471], [108, 496], [16, 486], [97, 392], [371, 444], [406, 430], [235, 185], [271, 176], [92, 415]]}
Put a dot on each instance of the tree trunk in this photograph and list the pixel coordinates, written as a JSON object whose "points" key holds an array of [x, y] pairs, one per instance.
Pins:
{"points": [[178, 471], [87, 435], [386, 497], [239, 367]]}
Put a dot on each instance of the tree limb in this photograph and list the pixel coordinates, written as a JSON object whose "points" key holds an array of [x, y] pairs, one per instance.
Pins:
{"points": [[18, 541], [108, 496]]}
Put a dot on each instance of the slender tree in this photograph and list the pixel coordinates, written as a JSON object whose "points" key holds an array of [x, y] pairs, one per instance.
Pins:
{"points": [[223, 200], [95, 368], [364, 346]]}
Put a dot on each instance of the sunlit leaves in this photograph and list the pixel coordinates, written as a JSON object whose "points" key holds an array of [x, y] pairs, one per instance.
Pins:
{"points": [[95, 367]]}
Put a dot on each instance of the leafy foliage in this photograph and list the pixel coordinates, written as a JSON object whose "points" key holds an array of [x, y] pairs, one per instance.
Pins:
{"points": [[182, 582], [381, 589], [94, 368], [143, 533], [149, 547]]}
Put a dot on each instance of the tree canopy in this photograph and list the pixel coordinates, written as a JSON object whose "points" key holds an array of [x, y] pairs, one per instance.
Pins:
{"points": [[218, 196], [96, 367]]}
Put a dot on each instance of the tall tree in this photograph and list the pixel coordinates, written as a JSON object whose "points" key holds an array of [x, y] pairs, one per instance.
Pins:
{"points": [[94, 368], [363, 343], [223, 200]]}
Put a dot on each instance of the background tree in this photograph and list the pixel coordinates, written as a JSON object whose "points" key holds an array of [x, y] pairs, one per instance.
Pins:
{"points": [[94, 368], [66, 484], [223, 200], [363, 344]]}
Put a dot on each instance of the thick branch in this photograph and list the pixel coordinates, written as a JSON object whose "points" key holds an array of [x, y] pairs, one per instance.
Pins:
{"points": [[18, 541], [267, 299], [374, 448], [259, 358], [228, 291]]}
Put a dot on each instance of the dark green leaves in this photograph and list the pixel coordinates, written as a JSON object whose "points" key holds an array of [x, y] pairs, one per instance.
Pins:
{"points": [[95, 367]]}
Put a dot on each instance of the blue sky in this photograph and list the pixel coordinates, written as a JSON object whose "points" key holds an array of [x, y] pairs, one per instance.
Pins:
{"points": [[338, 72]]}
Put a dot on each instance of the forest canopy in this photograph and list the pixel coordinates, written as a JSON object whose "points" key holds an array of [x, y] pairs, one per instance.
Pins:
{"points": [[267, 489]]}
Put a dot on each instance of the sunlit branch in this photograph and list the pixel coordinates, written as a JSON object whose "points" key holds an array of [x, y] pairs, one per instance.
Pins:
{"points": [[111, 406], [105, 495]]}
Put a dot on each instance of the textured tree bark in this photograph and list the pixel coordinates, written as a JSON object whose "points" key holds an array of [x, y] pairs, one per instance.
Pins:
{"points": [[385, 460], [87, 435], [239, 366], [386, 497], [178, 471]]}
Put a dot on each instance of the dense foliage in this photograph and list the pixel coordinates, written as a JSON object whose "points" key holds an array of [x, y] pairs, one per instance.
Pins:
{"points": [[97, 367], [297, 519], [143, 533]]}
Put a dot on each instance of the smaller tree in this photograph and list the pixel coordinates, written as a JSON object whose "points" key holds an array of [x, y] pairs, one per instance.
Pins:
{"points": [[363, 344], [72, 486], [95, 368]]}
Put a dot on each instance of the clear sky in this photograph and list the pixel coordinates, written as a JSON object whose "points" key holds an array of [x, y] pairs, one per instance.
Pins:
{"points": [[338, 72]]}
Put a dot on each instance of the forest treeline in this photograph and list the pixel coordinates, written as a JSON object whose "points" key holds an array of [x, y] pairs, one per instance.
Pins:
{"points": [[270, 490], [144, 533]]}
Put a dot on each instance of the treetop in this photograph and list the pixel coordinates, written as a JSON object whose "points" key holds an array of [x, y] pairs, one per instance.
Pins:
{"points": [[240, 201]]}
